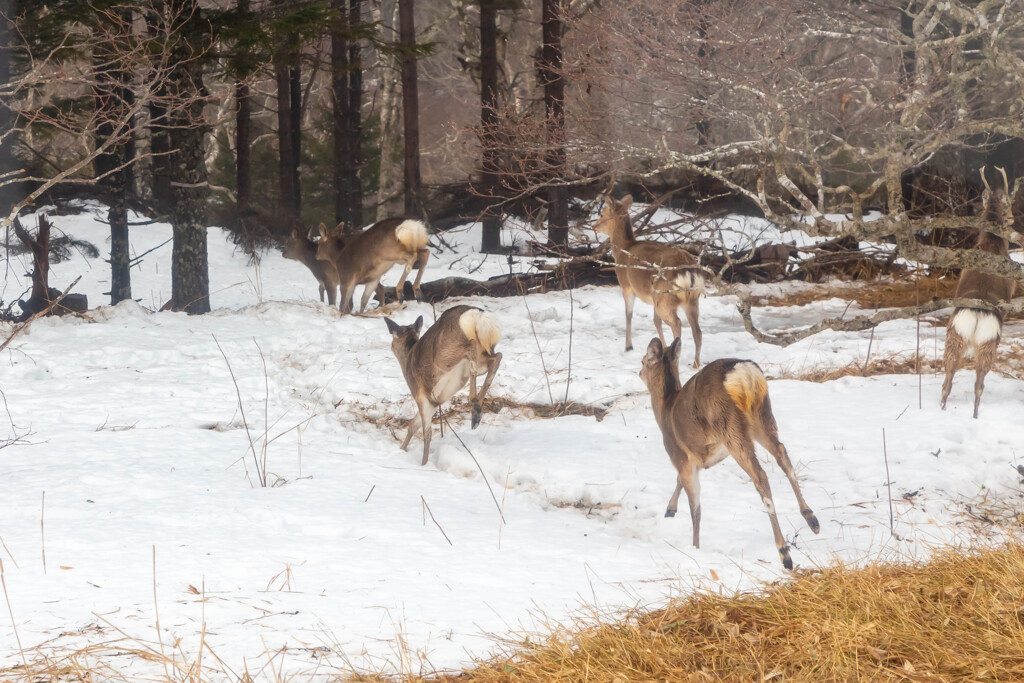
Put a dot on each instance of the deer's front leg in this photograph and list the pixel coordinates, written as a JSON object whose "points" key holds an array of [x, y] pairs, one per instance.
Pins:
{"points": [[492, 363]]}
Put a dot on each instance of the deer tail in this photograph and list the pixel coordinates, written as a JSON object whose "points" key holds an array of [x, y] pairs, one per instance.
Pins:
{"points": [[481, 326], [975, 325], [412, 234], [746, 386], [690, 281]]}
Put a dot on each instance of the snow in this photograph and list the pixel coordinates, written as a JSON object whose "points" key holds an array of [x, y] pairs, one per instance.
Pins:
{"points": [[355, 557]]}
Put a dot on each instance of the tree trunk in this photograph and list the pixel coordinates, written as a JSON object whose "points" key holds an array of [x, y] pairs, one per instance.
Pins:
{"points": [[243, 136], [489, 118], [295, 128], [410, 109], [554, 108], [9, 190], [113, 98], [285, 139], [341, 138], [354, 125], [387, 178], [190, 277]]}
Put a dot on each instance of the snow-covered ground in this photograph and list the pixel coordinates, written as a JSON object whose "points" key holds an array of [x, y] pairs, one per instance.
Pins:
{"points": [[137, 482]]}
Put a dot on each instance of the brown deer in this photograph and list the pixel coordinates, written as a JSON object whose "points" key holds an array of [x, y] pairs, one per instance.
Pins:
{"points": [[456, 349], [660, 274], [363, 258], [303, 249], [977, 327], [719, 412]]}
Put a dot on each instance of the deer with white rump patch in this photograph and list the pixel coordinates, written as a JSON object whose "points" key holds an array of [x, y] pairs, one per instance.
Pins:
{"points": [[455, 350], [719, 412], [303, 249], [363, 258], [660, 274], [976, 327]]}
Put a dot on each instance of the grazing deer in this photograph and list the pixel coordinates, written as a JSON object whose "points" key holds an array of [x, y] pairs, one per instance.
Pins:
{"points": [[978, 327], [660, 274], [456, 349], [302, 248], [719, 412], [363, 258]]}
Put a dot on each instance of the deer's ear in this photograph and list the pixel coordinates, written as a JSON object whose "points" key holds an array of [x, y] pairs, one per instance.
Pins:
{"points": [[339, 227], [626, 202], [674, 348], [654, 351], [323, 230], [393, 327], [418, 325]]}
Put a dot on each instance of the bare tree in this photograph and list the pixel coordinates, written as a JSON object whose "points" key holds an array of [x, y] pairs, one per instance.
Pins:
{"points": [[410, 109]]}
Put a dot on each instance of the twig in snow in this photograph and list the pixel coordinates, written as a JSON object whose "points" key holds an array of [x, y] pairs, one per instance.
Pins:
{"points": [[529, 315], [53, 304], [501, 513], [156, 613], [42, 529], [888, 483], [245, 422], [568, 375], [370, 493], [10, 611], [427, 508]]}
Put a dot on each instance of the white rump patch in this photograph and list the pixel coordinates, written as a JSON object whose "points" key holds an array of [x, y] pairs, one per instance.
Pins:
{"points": [[412, 234], [976, 327], [690, 280], [481, 326]]}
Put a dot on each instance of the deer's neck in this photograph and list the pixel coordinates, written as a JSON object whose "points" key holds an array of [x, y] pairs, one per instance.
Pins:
{"points": [[622, 233], [662, 389]]}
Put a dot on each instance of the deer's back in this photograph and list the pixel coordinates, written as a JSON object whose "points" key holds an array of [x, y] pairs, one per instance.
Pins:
{"points": [[441, 347], [701, 414], [374, 247], [974, 284], [639, 268]]}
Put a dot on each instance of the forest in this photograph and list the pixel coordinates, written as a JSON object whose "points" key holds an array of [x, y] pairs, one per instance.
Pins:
{"points": [[240, 444]]}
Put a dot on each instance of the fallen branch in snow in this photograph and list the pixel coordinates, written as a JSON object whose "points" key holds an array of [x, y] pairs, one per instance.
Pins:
{"points": [[432, 519], [862, 322]]}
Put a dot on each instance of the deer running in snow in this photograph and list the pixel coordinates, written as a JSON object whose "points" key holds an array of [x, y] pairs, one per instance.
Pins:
{"points": [[456, 349], [719, 412], [363, 258], [976, 327], [303, 249], [660, 274]]}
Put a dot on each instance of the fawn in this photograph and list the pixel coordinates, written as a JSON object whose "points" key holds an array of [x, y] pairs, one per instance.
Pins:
{"points": [[456, 349], [363, 258], [660, 274], [719, 412], [302, 248], [978, 327]]}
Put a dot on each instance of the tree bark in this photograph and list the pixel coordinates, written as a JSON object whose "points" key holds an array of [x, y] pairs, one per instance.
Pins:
{"points": [[243, 135], [410, 109], [387, 179], [190, 277], [285, 139], [295, 128], [354, 125], [489, 119], [113, 97], [9, 191], [343, 154], [554, 109]]}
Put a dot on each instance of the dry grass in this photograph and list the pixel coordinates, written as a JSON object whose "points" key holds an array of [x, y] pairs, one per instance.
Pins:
{"points": [[869, 295], [958, 617], [1009, 363]]}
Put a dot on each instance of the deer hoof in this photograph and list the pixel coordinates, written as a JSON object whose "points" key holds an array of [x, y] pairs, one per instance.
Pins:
{"points": [[670, 513], [629, 348], [812, 521], [477, 412], [696, 364], [787, 561]]}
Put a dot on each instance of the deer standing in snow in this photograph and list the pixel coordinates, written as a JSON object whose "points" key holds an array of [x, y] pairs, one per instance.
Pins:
{"points": [[719, 412], [363, 258], [660, 274], [456, 349], [301, 248], [976, 327]]}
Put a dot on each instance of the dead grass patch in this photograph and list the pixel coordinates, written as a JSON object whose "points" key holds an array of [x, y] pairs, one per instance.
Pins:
{"points": [[869, 295], [1009, 363], [957, 617]]}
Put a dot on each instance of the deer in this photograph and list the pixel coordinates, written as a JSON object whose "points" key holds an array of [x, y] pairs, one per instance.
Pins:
{"points": [[719, 412], [303, 249], [456, 349], [977, 327], [363, 258], [659, 274]]}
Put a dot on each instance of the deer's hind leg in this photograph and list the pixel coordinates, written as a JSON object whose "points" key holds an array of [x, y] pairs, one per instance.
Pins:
{"points": [[952, 356], [491, 363], [422, 256], [630, 298], [691, 308], [742, 449], [984, 357], [767, 434], [400, 287]]}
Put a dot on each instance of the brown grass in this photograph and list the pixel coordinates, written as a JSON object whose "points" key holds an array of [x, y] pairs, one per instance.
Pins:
{"points": [[883, 293], [958, 617], [1009, 363]]}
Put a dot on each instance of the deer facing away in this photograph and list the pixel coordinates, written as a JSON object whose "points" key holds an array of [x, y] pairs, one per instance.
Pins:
{"points": [[659, 274], [301, 248], [976, 327], [455, 350], [719, 412], [363, 258]]}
